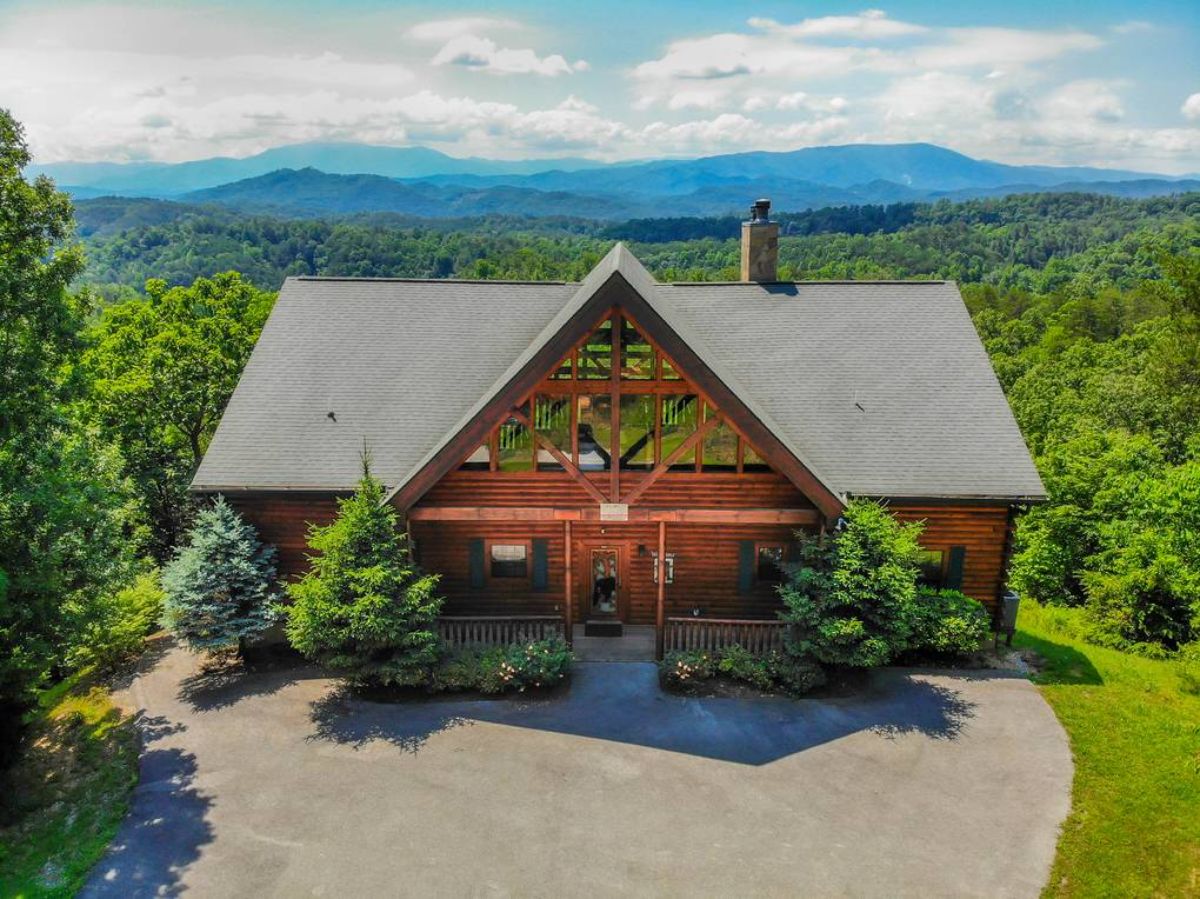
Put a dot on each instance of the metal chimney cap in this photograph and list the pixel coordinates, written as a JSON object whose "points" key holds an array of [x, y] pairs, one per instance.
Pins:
{"points": [[760, 210]]}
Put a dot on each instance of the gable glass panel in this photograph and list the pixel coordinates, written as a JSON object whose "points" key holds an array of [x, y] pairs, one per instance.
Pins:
{"points": [[751, 460], [680, 415], [595, 432], [637, 431], [552, 420], [480, 460], [720, 446], [563, 372], [637, 356], [668, 371], [515, 452], [595, 356]]}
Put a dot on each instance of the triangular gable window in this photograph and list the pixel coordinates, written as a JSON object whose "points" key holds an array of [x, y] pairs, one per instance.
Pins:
{"points": [[644, 418]]}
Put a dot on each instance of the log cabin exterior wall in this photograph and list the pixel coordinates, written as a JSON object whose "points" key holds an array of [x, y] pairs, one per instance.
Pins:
{"points": [[283, 520], [983, 531]]}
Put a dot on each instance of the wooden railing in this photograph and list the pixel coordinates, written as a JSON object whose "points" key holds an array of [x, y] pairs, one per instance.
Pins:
{"points": [[498, 630], [756, 636]]}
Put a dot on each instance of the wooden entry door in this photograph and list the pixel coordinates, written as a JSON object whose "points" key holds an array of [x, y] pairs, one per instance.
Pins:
{"points": [[603, 581]]}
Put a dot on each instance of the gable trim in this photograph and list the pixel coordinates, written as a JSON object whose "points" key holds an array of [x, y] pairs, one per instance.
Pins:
{"points": [[616, 291]]}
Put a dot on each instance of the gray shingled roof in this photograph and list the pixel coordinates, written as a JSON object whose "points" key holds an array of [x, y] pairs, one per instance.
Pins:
{"points": [[404, 364]]}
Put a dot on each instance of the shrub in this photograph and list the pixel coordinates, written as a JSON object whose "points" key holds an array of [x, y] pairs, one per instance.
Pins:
{"points": [[364, 609], [850, 597], [516, 668], [118, 623], [946, 621], [1188, 668], [779, 671], [219, 587]]}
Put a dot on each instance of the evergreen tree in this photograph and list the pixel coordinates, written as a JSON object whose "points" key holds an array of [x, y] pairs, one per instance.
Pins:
{"points": [[851, 598], [219, 587], [364, 609]]}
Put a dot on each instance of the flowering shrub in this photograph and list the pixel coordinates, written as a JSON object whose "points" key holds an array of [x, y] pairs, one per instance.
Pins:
{"points": [[775, 671], [505, 669]]}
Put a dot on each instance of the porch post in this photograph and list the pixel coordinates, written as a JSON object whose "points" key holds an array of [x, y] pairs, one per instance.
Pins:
{"points": [[568, 610], [660, 616]]}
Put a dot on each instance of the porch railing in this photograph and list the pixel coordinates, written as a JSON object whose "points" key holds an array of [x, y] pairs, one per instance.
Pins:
{"points": [[756, 636], [479, 632]]}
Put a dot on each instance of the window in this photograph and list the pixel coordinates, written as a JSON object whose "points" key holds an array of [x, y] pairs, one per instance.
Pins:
{"points": [[552, 420], [595, 432], [720, 446], [751, 460], [480, 460], [769, 559], [565, 370], [509, 560], [670, 566], [595, 356], [515, 447], [680, 412], [637, 356], [669, 372], [932, 568], [637, 431]]}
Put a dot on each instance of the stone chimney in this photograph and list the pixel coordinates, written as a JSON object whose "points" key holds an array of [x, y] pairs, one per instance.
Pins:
{"points": [[760, 245]]}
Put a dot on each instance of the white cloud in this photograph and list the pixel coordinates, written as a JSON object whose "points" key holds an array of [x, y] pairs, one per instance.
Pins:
{"points": [[1000, 48], [482, 54], [1191, 107], [445, 29], [872, 23]]}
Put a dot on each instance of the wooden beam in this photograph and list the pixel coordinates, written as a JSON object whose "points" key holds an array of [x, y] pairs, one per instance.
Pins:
{"points": [[592, 513], [665, 465], [569, 608], [660, 608], [614, 486], [568, 466]]}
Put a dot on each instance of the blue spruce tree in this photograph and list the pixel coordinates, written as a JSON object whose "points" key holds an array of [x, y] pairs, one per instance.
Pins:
{"points": [[219, 587]]}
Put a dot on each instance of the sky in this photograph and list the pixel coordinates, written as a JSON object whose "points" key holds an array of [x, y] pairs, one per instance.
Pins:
{"points": [[1069, 82]]}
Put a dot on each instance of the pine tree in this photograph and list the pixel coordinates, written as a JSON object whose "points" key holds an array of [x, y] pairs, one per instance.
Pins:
{"points": [[364, 609], [219, 587]]}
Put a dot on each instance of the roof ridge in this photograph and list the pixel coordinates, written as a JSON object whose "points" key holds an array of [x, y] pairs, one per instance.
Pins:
{"points": [[906, 282], [369, 279]]}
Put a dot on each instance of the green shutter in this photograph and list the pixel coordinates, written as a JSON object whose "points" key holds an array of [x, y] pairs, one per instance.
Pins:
{"points": [[541, 564], [954, 569], [475, 565], [745, 566]]}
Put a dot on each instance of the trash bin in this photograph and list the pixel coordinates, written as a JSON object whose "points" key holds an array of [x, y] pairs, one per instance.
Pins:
{"points": [[1009, 605]]}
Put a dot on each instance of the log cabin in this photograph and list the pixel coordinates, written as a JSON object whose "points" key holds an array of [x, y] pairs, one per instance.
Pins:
{"points": [[622, 451]]}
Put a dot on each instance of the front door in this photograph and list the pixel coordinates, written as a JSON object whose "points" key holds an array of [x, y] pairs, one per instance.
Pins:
{"points": [[603, 587]]}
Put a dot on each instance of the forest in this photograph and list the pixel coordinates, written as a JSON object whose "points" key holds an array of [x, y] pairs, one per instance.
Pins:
{"points": [[124, 325]]}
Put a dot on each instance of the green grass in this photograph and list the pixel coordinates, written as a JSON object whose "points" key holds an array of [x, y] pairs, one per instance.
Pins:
{"points": [[1134, 827], [68, 791]]}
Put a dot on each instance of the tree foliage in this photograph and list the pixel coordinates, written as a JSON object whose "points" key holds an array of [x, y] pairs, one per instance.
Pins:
{"points": [[364, 609], [850, 597], [219, 587], [162, 368]]}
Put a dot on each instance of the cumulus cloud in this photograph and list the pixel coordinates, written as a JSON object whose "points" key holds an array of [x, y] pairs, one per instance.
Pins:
{"points": [[445, 29], [871, 24], [483, 54], [1191, 107]]}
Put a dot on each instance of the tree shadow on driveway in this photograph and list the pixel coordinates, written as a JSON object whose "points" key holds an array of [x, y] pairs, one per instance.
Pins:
{"points": [[166, 826], [622, 702]]}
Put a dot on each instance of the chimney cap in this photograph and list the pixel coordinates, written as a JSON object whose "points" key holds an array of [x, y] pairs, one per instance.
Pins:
{"points": [[760, 210]]}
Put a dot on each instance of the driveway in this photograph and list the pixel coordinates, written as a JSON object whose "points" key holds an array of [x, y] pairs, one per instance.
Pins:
{"points": [[276, 784]]}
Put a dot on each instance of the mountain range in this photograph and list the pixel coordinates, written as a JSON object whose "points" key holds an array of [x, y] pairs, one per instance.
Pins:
{"points": [[321, 179]]}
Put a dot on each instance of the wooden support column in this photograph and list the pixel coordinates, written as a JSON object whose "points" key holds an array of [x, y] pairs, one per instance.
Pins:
{"points": [[614, 485], [569, 608], [661, 606]]}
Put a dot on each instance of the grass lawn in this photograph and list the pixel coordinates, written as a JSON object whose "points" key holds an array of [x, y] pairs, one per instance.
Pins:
{"points": [[63, 799], [1134, 827]]}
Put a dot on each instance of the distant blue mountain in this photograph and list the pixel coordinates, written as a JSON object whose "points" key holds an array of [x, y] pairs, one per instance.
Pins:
{"points": [[157, 179], [310, 193]]}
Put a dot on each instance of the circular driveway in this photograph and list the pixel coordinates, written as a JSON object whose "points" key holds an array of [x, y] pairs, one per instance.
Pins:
{"points": [[276, 784]]}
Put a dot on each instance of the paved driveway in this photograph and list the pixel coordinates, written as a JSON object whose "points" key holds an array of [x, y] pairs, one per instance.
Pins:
{"points": [[927, 784]]}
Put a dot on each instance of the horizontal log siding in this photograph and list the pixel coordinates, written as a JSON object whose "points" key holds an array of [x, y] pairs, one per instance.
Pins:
{"points": [[283, 520], [672, 490], [981, 529], [444, 548]]}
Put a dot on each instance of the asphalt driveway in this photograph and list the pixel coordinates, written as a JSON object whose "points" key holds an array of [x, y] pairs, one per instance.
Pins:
{"points": [[276, 784]]}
